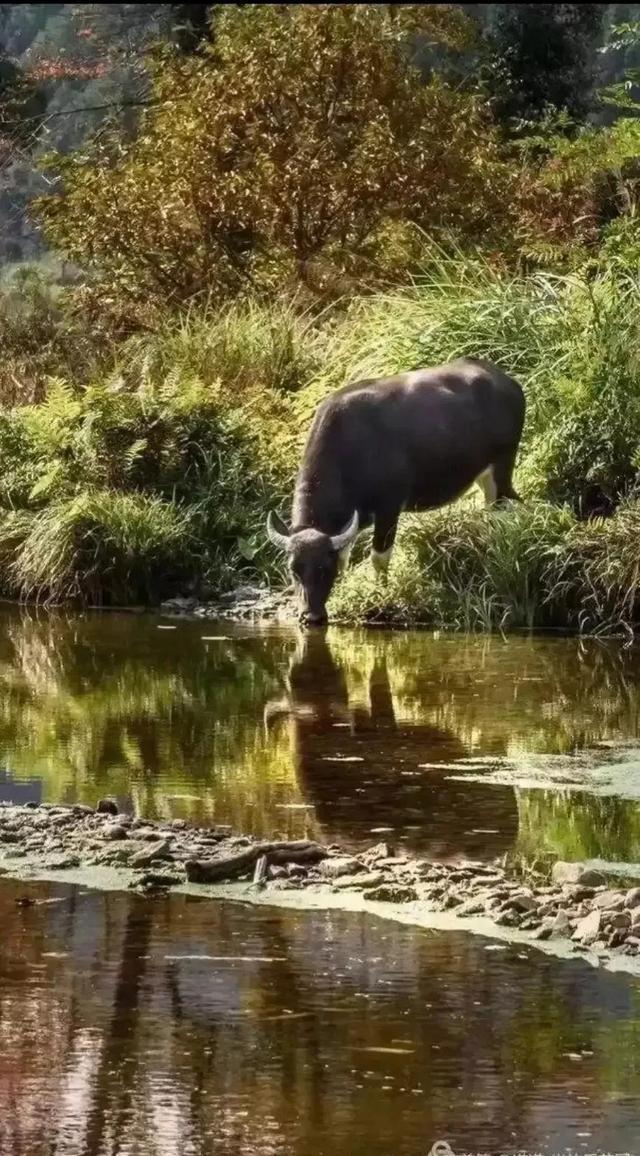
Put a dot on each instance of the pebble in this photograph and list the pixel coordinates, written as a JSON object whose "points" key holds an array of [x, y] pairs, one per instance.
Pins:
{"points": [[576, 904]]}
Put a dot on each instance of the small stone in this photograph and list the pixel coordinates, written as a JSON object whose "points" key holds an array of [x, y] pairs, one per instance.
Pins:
{"points": [[156, 851], [107, 807], [563, 872], [609, 900], [508, 918], [560, 924], [544, 932], [620, 919], [635, 917], [381, 851], [114, 831], [62, 862], [588, 928], [364, 879], [521, 902], [391, 893], [632, 898], [157, 880], [471, 907], [338, 865], [617, 937]]}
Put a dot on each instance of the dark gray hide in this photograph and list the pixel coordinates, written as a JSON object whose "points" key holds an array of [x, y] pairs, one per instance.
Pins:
{"points": [[410, 442]]}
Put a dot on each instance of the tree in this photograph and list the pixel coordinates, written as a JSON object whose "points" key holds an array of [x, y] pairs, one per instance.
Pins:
{"points": [[544, 58], [293, 140], [22, 104]]}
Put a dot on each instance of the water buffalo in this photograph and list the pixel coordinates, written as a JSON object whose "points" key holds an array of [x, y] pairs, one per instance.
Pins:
{"points": [[410, 442]]}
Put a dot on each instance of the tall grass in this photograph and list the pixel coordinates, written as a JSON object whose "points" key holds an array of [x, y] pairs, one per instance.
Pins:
{"points": [[249, 344], [524, 567]]}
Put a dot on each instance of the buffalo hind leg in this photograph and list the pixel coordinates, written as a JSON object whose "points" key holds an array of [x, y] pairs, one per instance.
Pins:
{"points": [[384, 536], [503, 468], [496, 482]]}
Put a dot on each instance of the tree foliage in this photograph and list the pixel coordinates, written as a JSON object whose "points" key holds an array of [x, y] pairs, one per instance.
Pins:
{"points": [[544, 58], [290, 143]]}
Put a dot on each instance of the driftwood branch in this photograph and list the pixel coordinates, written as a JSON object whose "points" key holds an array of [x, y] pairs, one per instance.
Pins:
{"points": [[242, 862]]}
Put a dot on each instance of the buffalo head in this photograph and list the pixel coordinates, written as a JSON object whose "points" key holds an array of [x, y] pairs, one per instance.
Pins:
{"points": [[313, 559]]}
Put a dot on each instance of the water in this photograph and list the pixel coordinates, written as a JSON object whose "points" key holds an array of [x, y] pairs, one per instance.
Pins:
{"points": [[182, 1028], [455, 746], [178, 1027]]}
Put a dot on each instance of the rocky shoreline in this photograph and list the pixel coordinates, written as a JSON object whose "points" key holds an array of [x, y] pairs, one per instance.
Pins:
{"points": [[576, 905], [246, 603]]}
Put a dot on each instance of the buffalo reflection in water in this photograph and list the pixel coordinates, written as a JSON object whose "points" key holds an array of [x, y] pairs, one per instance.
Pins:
{"points": [[365, 768]]}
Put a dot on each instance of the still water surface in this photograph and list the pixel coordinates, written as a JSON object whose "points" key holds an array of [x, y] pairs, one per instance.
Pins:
{"points": [[461, 746], [179, 1027], [185, 1028]]}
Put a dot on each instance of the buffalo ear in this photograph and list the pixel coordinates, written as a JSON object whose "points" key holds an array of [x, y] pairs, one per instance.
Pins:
{"points": [[277, 531]]}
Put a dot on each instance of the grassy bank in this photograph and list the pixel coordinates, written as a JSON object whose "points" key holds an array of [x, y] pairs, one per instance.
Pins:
{"points": [[153, 472]]}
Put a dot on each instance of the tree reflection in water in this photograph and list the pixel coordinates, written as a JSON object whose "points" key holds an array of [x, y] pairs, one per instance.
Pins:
{"points": [[124, 1031]]}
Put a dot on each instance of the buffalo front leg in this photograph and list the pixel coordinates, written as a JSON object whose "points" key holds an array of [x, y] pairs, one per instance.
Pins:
{"points": [[384, 536]]}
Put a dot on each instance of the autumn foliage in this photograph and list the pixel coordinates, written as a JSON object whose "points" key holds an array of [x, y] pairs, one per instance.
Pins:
{"points": [[285, 151]]}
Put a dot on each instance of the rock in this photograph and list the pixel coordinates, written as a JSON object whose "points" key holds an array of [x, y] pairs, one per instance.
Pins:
{"points": [[384, 851], [114, 831], [63, 862], [588, 928], [521, 901], [635, 917], [560, 924], [575, 893], [157, 880], [509, 918], [146, 857], [617, 936], [609, 900], [338, 865], [391, 893], [178, 605], [471, 907], [632, 898], [107, 807], [544, 932], [563, 872], [620, 919], [363, 879]]}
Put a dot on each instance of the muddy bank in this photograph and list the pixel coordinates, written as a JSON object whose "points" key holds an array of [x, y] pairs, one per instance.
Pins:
{"points": [[576, 909]]}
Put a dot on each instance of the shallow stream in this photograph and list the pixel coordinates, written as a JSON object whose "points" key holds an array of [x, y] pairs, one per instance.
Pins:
{"points": [[136, 1027]]}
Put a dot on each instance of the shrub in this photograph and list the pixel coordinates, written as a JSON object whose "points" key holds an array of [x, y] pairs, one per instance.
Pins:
{"points": [[127, 547], [114, 489]]}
